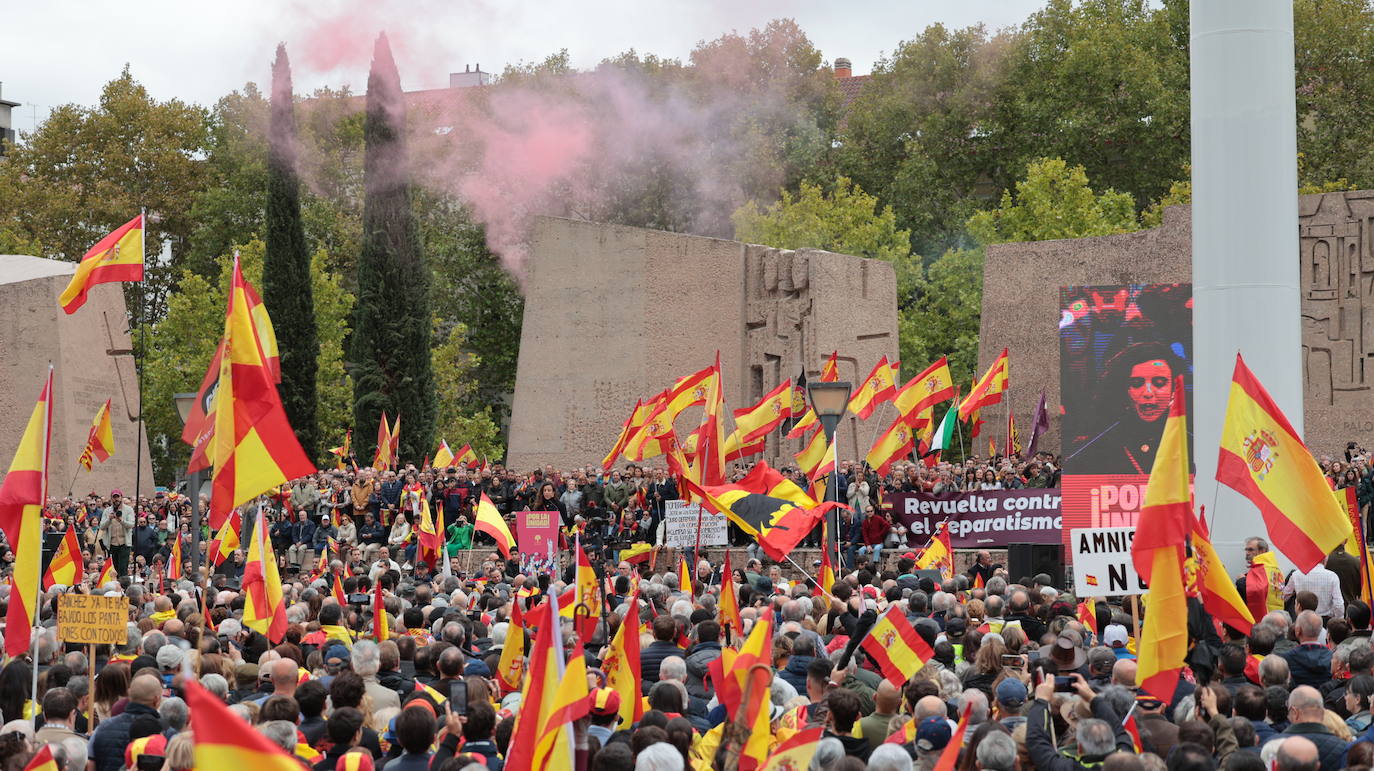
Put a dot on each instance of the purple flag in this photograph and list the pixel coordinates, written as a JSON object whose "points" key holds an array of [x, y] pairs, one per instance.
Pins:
{"points": [[1039, 425]]}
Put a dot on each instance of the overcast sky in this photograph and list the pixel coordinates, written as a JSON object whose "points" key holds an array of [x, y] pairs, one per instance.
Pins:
{"points": [[62, 51]]}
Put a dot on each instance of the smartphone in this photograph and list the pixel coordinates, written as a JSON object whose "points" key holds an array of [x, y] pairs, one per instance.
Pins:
{"points": [[458, 696], [1012, 660], [1063, 684]]}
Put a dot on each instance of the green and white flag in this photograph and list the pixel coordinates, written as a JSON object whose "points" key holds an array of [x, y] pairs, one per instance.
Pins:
{"points": [[944, 435]]}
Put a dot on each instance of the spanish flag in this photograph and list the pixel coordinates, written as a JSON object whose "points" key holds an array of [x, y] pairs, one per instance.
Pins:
{"points": [[426, 536], [1265, 460], [263, 608], [107, 573], [223, 740], [338, 590], [226, 540], [939, 553], [927, 389], [465, 455], [893, 445], [395, 438], [636, 419], [756, 422], [830, 371], [381, 460], [1354, 545], [100, 442], [708, 466], [117, 257], [174, 566], [1087, 615], [489, 521], [555, 696], [880, 386], [766, 506], [989, 389], [808, 421], [584, 606], [65, 567], [816, 459], [443, 457], [950, 756], [343, 450], [653, 438], [622, 666], [380, 624], [684, 580], [691, 390], [825, 580], [253, 448], [729, 601], [1263, 585], [735, 449], [511, 668], [42, 760], [1214, 585], [898, 649], [795, 752], [1166, 519], [22, 496]]}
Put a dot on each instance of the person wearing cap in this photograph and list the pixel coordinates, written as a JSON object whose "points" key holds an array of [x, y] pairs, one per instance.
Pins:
{"points": [[1010, 696], [1097, 737], [117, 530], [1068, 653], [604, 707], [1115, 637], [1157, 734], [932, 736]]}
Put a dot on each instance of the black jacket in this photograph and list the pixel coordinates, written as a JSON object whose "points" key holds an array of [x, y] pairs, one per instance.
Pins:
{"points": [[698, 661], [1330, 747], [112, 736], [1310, 664], [652, 656], [402, 685], [1045, 756], [795, 672]]}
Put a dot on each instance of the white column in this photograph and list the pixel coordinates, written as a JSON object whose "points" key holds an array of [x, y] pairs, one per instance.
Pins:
{"points": [[1245, 232]]}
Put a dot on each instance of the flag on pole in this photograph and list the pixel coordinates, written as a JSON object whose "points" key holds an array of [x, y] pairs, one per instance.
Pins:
{"points": [[950, 755], [1013, 440], [253, 448], [622, 665], [1087, 616], [767, 507], [892, 445], [816, 459], [224, 543], [636, 419], [443, 457], [511, 668], [107, 573], [223, 740], [465, 455], [684, 580], [381, 459], [896, 647], [830, 371], [427, 537], [395, 439], [729, 601], [1265, 460], [756, 422], [655, 434], [929, 388], [944, 435], [796, 751], [65, 567], [490, 521], [825, 579], [174, 566], [263, 608], [880, 386], [42, 760], [380, 623], [1355, 545], [100, 442], [938, 554], [22, 496], [808, 421], [116, 257], [1039, 425], [1214, 585], [989, 388], [542, 738], [1157, 551], [338, 590]]}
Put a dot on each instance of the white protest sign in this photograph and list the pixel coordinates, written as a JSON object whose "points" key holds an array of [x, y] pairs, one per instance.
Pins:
{"points": [[1102, 564], [680, 528]]}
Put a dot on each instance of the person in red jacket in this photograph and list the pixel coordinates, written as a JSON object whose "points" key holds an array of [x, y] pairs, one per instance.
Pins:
{"points": [[874, 530]]}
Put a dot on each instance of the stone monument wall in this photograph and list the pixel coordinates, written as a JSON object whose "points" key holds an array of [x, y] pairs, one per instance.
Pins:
{"points": [[1336, 257], [93, 361], [613, 314]]}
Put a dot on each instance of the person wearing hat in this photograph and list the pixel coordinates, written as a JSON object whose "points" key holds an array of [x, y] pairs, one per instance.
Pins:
{"points": [[117, 530], [1068, 653], [1157, 734], [1009, 698], [932, 736], [604, 707], [1114, 637], [1097, 737]]}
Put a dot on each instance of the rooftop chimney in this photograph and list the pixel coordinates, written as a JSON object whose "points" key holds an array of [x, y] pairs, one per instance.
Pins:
{"points": [[843, 69], [469, 77]]}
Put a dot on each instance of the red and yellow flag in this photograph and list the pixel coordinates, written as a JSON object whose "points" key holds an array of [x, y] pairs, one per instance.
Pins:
{"points": [[443, 457], [691, 390], [116, 257], [927, 389], [708, 465], [939, 553], [1087, 615], [825, 580], [795, 752], [880, 386], [735, 449], [989, 389], [1265, 460], [756, 422], [381, 459], [555, 696], [22, 496], [342, 450], [489, 521], [1166, 519], [622, 666], [1354, 545], [1214, 585], [427, 538], [107, 573], [263, 608], [685, 579], [100, 442], [226, 540], [830, 371], [174, 566], [510, 670], [584, 607], [338, 592], [223, 740], [65, 567], [729, 600], [656, 434], [381, 625], [253, 448], [465, 455], [42, 760], [950, 755], [892, 445], [897, 648], [816, 459], [636, 419]]}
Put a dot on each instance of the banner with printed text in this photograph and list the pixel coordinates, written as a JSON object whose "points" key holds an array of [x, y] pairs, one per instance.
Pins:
{"points": [[536, 532], [992, 519]]}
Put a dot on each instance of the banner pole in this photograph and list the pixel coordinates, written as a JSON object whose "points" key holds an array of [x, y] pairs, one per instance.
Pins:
{"points": [[139, 355]]}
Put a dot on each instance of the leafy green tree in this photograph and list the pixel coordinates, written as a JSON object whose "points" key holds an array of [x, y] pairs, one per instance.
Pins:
{"points": [[1335, 91], [846, 220], [458, 422], [333, 306], [286, 289], [87, 170], [1054, 201], [939, 310], [390, 349]]}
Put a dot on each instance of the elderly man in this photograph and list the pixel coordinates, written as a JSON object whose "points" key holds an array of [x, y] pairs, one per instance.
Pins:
{"points": [[112, 737], [1306, 713], [1098, 736], [367, 662], [1310, 662]]}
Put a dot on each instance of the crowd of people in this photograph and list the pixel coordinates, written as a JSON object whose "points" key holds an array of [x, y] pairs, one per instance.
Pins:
{"points": [[1036, 677]]}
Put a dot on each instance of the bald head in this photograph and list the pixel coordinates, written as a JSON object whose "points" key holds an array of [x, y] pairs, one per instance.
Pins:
{"points": [[888, 698], [146, 690], [1123, 673], [1308, 627], [1297, 753], [930, 706], [284, 676], [1306, 701]]}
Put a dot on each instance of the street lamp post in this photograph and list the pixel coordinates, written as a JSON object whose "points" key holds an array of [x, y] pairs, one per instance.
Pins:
{"points": [[829, 400], [185, 402]]}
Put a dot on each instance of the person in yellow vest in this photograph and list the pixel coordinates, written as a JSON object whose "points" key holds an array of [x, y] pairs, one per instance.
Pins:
{"points": [[1262, 584]]}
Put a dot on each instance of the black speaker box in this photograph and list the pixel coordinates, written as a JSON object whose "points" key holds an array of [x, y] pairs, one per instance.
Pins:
{"points": [[1026, 560]]}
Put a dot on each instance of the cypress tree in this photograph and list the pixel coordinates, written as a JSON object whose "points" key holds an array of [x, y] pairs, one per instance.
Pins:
{"points": [[286, 265], [392, 325]]}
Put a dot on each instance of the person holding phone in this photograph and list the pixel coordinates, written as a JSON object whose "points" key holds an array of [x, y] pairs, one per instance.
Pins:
{"points": [[1097, 737]]}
